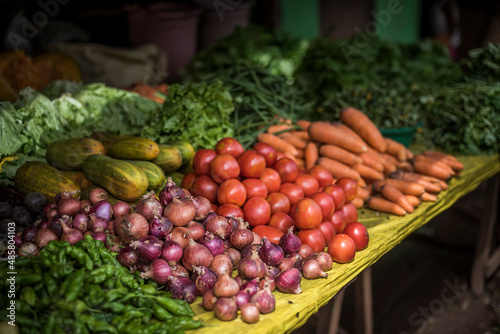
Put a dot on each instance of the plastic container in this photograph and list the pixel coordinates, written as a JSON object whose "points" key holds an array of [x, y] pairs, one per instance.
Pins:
{"points": [[172, 26], [401, 135]]}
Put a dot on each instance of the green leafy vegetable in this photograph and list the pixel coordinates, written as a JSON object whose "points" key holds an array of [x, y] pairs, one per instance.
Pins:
{"points": [[483, 63]]}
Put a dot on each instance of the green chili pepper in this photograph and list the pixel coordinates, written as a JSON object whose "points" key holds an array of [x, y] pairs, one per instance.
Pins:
{"points": [[130, 282], [76, 285], [50, 324], [147, 315], [60, 271], [37, 268], [76, 307], [45, 259], [51, 285], [81, 257], [39, 286], [101, 274], [27, 279], [65, 283], [92, 251], [24, 261], [80, 328], [160, 313], [107, 257], [119, 284], [148, 289], [26, 321], [110, 283], [114, 294], [61, 256], [97, 325], [52, 246], [187, 323], [116, 307], [175, 306], [44, 300], [28, 295]]}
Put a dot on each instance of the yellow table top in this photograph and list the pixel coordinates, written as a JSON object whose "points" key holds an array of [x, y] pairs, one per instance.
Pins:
{"points": [[386, 231]]}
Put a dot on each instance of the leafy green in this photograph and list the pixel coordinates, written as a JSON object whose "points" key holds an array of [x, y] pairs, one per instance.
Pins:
{"points": [[59, 87], [483, 63]]}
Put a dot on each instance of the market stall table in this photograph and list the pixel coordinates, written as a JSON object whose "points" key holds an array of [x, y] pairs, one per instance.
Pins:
{"points": [[386, 231]]}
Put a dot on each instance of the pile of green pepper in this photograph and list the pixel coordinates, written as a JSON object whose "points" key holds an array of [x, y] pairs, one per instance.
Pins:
{"points": [[82, 288]]}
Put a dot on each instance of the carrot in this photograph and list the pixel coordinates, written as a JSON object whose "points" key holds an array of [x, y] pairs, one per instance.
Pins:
{"points": [[338, 169], [405, 166], [303, 124], [370, 160], [406, 187], [350, 131], [430, 168], [383, 205], [414, 200], [301, 134], [396, 149], [432, 179], [409, 153], [448, 159], [277, 143], [363, 193], [395, 195], [435, 162], [363, 126], [325, 133], [389, 163], [429, 186], [299, 143], [300, 154], [367, 172], [339, 154], [428, 197], [311, 155], [358, 202], [275, 128], [361, 182]]}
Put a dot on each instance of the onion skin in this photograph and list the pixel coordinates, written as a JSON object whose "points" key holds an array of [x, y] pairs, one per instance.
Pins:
{"points": [[265, 300], [131, 227], [179, 271], [252, 267], [251, 287], [242, 298], [97, 195], [29, 234], [148, 248], [127, 257], [71, 235], [204, 279], [102, 209], [171, 252], [182, 288], [305, 251], [196, 254], [288, 281], [289, 242], [149, 206], [197, 230], [170, 191], [250, 313], [270, 253], [241, 236], [202, 206], [120, 208], [219, 226], [208, 300], [221, 264], [233, 254], [225, 286], [225, 309], [180, 235], [159, 271], [27, 249], [180, 211], [213, 243], [324, 260], [312, 270], [69, 206]]}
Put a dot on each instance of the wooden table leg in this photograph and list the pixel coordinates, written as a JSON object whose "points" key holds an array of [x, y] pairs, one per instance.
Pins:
{"points": [[333, 328], [363, 303]]}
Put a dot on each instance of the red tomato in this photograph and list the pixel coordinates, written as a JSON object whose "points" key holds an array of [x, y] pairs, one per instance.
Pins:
{"points": [[337, 194], [204, 186], [349, 186], [308, 183], [232, 191], [257, 211], [358, 233], [251, 163], [307, 214], [230, 146], [281, 221], [292, 209], [224, 167], [313, 238], [213, 207], [292, 191], [287, 168], [338, 221], [342, 248], [255, 188], [325, 202], [268, 152], [321, 174], [201, 161], [271, 179], [350, 213], [271, 233], [188, 180], [279, 202], [230, 210], [327, 231]]}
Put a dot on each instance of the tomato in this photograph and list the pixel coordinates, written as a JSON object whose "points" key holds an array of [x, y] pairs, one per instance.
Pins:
{"points": [[321, 174], [337, 221], [255, 188], [230, 146], [268, 152], [350, 213], [359, 234], [307, 214], [281, 221], [213, 207], [349, 186], [337, 194], [224, 167], [292, 209], [232, 191], [204, 186], [287, 169], [188, 180], [342, 248], [271, 233], [308, 183], [251, 163], [257, 211], [230, 210], [313, 238], [201, 161], [327, 231], [279, 202], [271, 179], [325, 202], [292, 191]]}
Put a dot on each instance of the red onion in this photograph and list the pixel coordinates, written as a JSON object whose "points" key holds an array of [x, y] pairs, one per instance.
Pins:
{"points": [[160, 227], [305, 251], [288, 281], [312, 270], [170, 191], [81, 221], [289, 242], [221, 264], [234, 221], [197, 230], [47, 208], [204, 279], [142, 266], [272, 271], [256, 238], [250, 313], [102, 209], [127, 257], [240, 280], [252, 266], [265, 299], [69, 206], [97, 223], [211, 215], [233, 254], [324, 260], [225, 286], [180, 235], [55, 223], [225, 309], [293, 260], [71, 235], [241, 236], [27, 249], [171, 252], [270, 253], [29, 234], [159, 271], [98, 194], [202, 206], [208, 301], [51, 213], [131, 227], [182, 288], [149, 206], [180, 211], [248, 249], [148, 248], [43, 236], [179, 271], [99, 235], [213, 243], [242, 298], [120, 208], [270, 281], [219, 226], [250, 287], [58, 197], [196, 254], [44, 224]]}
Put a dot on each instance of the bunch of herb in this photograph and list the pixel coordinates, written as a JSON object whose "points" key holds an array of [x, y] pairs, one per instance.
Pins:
{"points": [[483, 63]]}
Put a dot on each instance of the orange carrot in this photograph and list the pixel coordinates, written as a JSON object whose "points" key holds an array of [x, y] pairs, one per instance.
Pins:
{"points": [[275, 128], [363, 126], [389, 163], [430, 168], [383, 205], [409, 153], [414, 200], [429, 186], [406, 187], [351, 132], [325, 133], [303, 124], [367, 172], [435, 162], [395, 195], [358, 202], [432, 179], [450, 160], [338, 169], [311, 155], [300, 154], [361, 182], [301, 134], [396, 149], [405, 166], [363, 193], [277, 143], [370, 160], [339, 154], [428, 197], [299, 143]]}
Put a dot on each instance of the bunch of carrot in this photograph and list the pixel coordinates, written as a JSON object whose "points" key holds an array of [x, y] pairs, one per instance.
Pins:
{"points": [[390, 177]]}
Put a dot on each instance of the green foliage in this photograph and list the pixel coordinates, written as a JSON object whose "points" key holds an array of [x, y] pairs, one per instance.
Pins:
{"points": [[483, 63]]}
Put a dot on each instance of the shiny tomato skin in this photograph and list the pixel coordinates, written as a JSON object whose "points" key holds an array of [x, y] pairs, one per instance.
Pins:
{"points": [[232, 191], [205, 186], [202, 160], [359, 234], [257, 211], [279, 203], [337, 221], [224, 167], [255, 188], [308, 183], [350, 213], [321, 174], [307, 214], [251, 163], [287, 168], [342, 248], [337, 194], [292, 191], [268, 152], [349, 186], [188, 180], [281, 221], [271, 179], [229, 145], [313, 238], [271, 233], [327, 231], [230, 210], [326, 204]]}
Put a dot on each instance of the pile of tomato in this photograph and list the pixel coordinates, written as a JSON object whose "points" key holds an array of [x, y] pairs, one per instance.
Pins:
{"points": [[270, 192]]}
